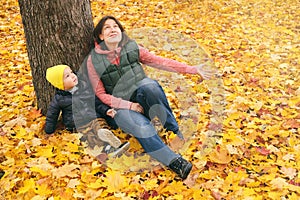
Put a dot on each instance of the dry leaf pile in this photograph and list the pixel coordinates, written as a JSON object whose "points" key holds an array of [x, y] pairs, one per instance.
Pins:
{"points": [[242, 127]]}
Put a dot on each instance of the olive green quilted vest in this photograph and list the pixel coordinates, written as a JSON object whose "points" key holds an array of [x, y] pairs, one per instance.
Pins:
{"points": [[120, 81]]}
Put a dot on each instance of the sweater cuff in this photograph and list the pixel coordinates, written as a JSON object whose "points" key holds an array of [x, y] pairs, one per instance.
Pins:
{"points": [[105, 112], [192, 70], [125, 104]]}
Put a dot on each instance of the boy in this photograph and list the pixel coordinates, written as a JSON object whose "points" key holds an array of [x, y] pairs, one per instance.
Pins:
{"points": [[80, 111]]}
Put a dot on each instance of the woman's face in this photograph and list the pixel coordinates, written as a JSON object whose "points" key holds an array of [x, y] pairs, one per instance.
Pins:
{"points": [[111, 33]]}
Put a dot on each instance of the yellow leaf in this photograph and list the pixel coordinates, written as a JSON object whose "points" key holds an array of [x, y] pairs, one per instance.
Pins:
{"points": [[71, 147], [36, 142], [248, 192], [22, 133], [66, 170], [28, 184], [46, 152], [8, 162], [73, 183], [20, 121], [40, 171], [87, 177], [115, 181], [253, 184], [97, 184], [278, 183], [43, 190], [178, 197], [288, 172], [227, 82], [150, 184], [293, 196], [174, 188], [275, 194]]}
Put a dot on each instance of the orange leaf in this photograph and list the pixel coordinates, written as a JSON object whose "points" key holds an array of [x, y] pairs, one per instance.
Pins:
{"points": [[220, 155]]}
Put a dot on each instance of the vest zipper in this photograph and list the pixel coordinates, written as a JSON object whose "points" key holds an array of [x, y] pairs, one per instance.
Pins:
{"points": [[116, 58], [118, 62]]}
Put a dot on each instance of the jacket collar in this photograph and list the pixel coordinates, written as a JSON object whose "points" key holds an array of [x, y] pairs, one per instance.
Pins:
{"points": [[62, 92]]}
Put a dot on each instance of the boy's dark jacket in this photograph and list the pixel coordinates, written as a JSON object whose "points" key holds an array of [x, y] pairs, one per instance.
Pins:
{"points": [[77, 109]]}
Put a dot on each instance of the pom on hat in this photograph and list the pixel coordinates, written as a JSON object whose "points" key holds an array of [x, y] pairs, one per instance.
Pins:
{"points": [[55, 76]]}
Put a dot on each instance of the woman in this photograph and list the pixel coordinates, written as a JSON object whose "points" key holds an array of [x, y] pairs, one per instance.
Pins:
{"points": [[119, 81]]}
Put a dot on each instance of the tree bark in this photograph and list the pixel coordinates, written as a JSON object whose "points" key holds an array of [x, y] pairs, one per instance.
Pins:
{"points": [[57, 32]]}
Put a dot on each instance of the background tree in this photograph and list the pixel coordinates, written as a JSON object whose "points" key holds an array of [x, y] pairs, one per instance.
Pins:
{"points": [[57, 32]]}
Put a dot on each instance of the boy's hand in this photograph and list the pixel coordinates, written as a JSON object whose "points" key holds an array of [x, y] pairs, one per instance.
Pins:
{"points": [[111, 112]]}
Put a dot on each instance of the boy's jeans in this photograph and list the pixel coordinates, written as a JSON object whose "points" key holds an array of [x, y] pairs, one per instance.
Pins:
{"points": [[141, 128]]}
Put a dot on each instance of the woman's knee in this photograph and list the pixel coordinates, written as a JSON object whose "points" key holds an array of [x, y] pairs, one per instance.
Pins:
{"points": [[151, 87], [135, 123]]}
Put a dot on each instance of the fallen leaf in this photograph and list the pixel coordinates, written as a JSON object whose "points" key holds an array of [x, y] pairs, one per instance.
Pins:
{"points": [[220, 155]]}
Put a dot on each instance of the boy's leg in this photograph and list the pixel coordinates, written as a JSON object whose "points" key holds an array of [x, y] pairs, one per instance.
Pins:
{"points": [[89, 136], [107, 136], [95, 135], [100, 127]]}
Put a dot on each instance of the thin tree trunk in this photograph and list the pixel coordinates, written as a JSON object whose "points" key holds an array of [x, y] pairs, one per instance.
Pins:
{"points": [[57, 32]]}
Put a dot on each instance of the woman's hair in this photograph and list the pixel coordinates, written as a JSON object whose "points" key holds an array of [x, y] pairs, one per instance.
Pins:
{"points": [[99, 27]]}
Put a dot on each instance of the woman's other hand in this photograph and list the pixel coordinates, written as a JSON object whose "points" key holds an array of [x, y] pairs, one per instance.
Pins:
{"points": [[137, 107]]}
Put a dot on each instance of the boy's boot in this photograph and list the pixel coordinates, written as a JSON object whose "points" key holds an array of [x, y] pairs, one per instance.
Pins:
{"points": [[107, 136], [181, 167], [113, 152]]}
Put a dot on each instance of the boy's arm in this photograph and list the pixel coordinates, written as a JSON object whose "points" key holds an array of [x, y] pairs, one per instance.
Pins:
{"points": [[101, 108], [52, 116]]}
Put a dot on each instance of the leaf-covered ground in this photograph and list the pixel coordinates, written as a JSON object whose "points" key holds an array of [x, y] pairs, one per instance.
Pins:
{"points": [[254, 44]]}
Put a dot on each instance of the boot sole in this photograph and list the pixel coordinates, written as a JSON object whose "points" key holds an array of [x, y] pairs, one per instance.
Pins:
{"points": [[107, 136]]}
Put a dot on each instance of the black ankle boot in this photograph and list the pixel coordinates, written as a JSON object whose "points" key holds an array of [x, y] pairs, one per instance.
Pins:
{"points": [[181, 167]]}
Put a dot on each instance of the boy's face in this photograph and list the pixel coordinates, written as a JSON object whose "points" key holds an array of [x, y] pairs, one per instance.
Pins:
{"points": [[70, 79]]}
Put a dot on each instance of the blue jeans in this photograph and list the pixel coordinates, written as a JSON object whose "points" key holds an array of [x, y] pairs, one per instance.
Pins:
{"points": [[152, 98], [141, 128]]}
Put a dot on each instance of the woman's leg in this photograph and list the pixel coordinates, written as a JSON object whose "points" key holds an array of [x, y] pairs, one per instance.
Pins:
{"points": [[142, 129], [151, 96]]}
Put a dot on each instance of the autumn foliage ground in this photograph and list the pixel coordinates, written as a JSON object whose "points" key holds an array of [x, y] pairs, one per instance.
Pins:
{"points": [[254, 44]]}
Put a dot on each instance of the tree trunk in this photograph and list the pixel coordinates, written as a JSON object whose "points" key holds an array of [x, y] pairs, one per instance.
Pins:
{"points": [[57, 32]]}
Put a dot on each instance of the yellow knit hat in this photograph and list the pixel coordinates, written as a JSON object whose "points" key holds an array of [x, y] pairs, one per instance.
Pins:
{"points": [[55, 76]]}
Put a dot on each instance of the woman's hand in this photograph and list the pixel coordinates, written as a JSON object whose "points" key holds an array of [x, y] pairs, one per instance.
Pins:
{"points": [[137, 107], [111, 112], [204, 73]]}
